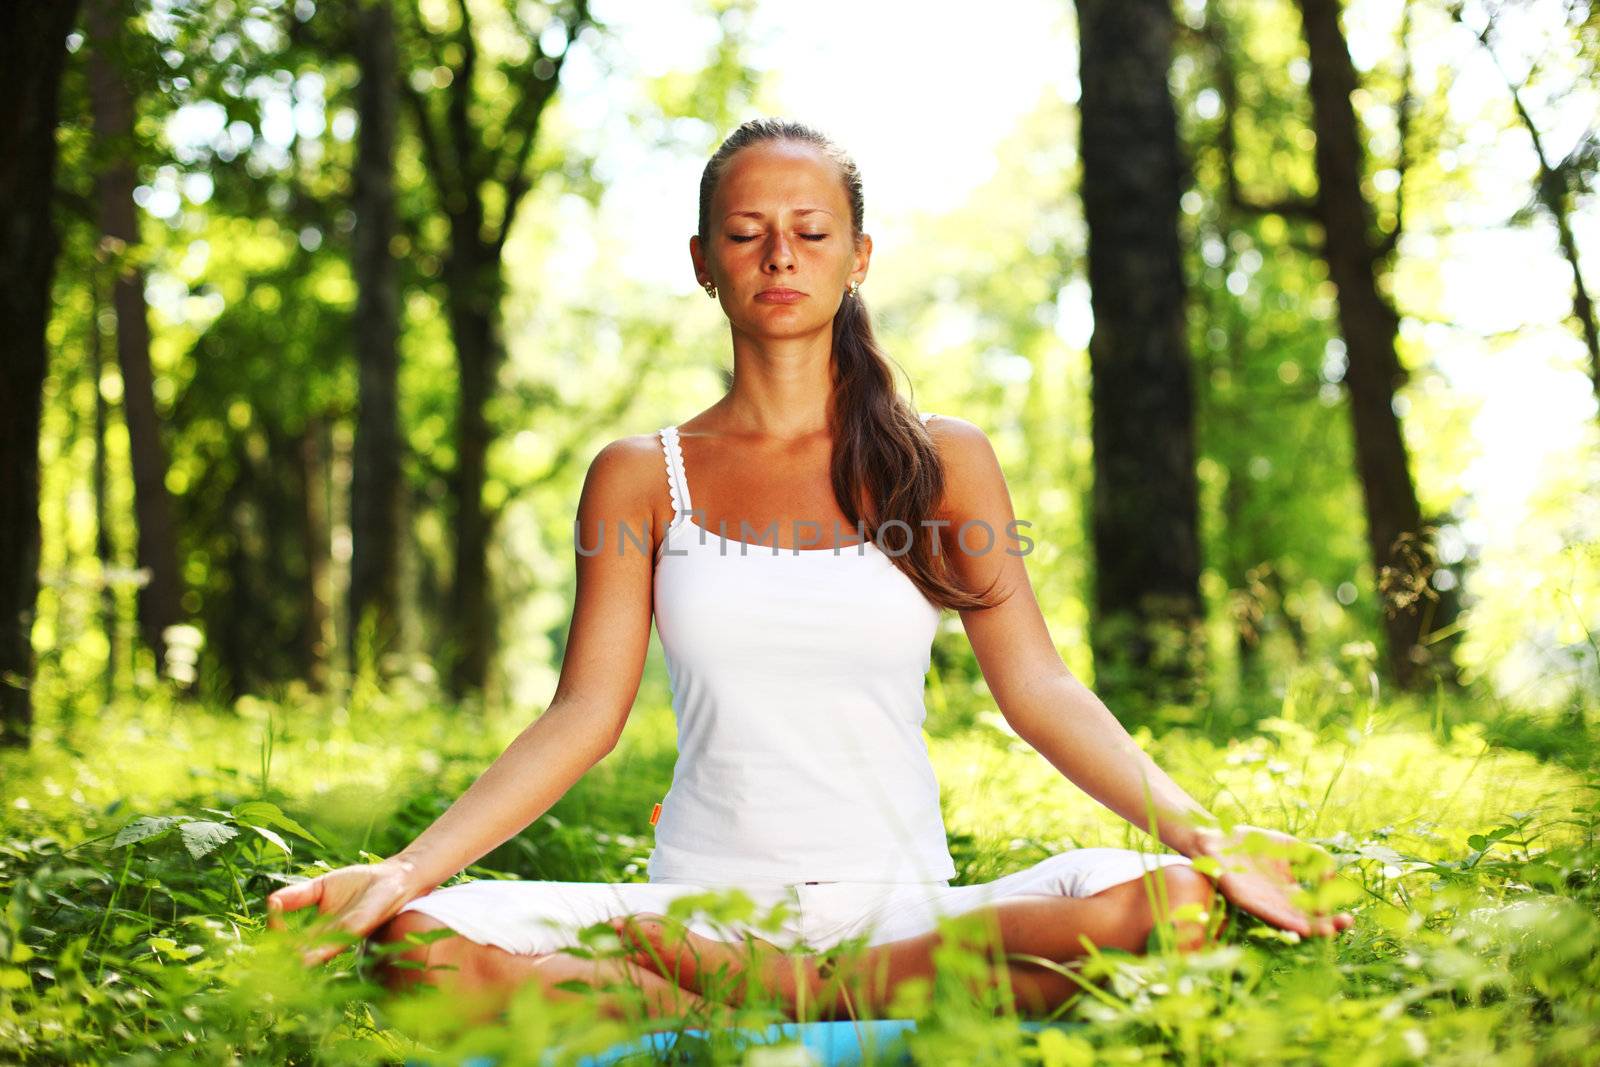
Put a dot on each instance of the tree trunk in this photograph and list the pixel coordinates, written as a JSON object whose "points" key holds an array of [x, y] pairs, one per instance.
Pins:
{"points": [[32, 52], [1399, 546], [465, 162], [314, 609], [375, 491], [1147, 634], [102, 532], [160, 601], [474, 287]]}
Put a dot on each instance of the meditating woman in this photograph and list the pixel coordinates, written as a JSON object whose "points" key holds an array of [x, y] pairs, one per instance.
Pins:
{"points": [[797, 589]]}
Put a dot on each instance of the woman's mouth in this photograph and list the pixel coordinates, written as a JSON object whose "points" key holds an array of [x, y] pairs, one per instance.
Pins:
{"points": [[780, 295]]}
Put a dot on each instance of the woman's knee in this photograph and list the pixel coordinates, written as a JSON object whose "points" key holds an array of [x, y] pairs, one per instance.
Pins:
{"points": [[1191, 898], [1182, 886], [427, 961]]}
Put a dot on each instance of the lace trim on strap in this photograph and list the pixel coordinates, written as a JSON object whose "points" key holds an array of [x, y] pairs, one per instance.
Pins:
{"points": [[677, 484]]}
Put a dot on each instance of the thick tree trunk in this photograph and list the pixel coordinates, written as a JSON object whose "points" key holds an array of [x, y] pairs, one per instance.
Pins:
{"points": [[160, 601], [32, 51], [1147, 636], [375, 492], [475, 295], [1396, 540]]}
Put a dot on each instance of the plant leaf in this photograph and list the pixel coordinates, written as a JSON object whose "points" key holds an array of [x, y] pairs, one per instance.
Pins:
{"points": [[142, 829], [202, 837], [265, 813], [272, 836]]}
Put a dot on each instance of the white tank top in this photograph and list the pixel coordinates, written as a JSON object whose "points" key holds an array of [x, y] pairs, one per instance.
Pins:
{"points": [[797, 679]]}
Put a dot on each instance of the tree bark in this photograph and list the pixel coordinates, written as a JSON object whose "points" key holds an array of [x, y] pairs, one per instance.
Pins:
{"points": [[314, 609], [463, 164], [102, 532], [160, 601], [1400, 547], [32, 52], [1147, 636], [375, 490], [474, 312]]}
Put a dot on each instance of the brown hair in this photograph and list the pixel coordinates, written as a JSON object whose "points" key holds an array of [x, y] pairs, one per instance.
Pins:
{"points": [[882, 454]]}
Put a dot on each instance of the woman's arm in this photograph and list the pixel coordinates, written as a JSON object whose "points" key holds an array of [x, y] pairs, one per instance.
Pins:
{"points": [[600, 674], [1040, 698], [1068, 724]]}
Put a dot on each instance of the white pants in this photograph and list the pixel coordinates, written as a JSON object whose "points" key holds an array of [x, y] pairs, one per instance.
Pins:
{"points": [[535, 918]]}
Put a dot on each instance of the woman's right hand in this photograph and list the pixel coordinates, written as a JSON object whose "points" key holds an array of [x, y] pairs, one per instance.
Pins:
{"points": [[357, 900]]}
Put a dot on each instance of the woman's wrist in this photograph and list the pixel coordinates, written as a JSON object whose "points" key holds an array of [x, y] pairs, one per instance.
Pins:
{"points": [[1200, 840], [406, 871]]}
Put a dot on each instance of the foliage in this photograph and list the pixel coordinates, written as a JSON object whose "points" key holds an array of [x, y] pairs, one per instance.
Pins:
{"points": [[132, 925]]}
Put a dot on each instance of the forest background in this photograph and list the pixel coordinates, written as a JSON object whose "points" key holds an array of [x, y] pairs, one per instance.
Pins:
{"points": [[1276, 314]]}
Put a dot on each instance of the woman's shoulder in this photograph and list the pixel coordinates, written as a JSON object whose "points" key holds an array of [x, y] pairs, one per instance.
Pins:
{"points": [[953, 433], [627, 467], [972, 474]]}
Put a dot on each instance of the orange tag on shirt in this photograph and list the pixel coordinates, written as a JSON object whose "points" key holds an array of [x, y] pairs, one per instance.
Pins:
{"points": [[655, 813]]}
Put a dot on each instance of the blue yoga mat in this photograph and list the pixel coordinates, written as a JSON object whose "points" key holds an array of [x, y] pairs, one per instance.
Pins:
{"points": [[834, 1044]]}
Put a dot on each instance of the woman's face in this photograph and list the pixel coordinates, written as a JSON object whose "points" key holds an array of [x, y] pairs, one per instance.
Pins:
{"points": [[780, 220]]}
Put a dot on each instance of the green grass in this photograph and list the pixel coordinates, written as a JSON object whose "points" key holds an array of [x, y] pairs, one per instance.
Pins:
{"points": [[1471, 867]]}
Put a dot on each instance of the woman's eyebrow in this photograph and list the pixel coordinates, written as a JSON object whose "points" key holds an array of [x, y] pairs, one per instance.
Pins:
{"points": [[798, 211]]}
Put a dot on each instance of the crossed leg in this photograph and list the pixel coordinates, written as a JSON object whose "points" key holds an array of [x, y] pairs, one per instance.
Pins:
{"points": [[485, 977], [1049, 927]]}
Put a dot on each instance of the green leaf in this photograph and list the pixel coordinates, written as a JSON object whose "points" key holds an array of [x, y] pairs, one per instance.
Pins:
{"points": [[265, 813], [202, 837], [143, 829], [274, 838], [1478, 841]]}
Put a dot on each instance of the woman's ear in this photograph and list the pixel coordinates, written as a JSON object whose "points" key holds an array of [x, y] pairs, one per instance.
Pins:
{"points": [[697, 256], [863, 256]]}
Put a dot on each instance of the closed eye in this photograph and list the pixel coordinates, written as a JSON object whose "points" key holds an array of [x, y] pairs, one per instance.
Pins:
{"points": [[741, 239]]}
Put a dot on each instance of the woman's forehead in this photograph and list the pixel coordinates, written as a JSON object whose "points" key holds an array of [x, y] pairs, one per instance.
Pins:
{"points": [[800, 180]]}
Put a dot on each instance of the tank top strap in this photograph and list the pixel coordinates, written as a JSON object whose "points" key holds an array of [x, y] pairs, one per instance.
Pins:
{"points": [[677, 484], [926, 416]]}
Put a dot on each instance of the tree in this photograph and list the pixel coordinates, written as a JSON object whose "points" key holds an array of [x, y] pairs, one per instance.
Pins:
{"points": [[480, 176], [112, 103], [32, 52], [1146, 631], [1556, 190], [375, 495], [1401, 548]]}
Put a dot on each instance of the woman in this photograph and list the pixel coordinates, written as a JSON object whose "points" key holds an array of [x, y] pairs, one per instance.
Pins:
{"points": [[797, 652]]}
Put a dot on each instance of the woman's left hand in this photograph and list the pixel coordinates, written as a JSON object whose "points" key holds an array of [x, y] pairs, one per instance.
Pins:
{"points": [[1256, 877]]}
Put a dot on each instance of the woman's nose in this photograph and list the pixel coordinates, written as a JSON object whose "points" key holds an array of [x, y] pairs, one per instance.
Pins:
{"points": [[779, 255]]}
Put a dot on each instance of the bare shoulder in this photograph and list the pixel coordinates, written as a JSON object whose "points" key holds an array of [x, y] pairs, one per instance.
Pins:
{"points": [[962, 444], [630, 454], [627, 474], [973, 481]]}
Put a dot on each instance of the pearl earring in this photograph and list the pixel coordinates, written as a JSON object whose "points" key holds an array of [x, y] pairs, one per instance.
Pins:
{"points": [[855, 289], [711, 290]]}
